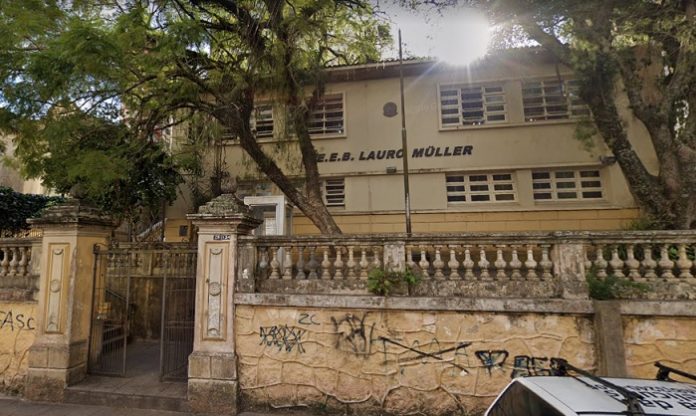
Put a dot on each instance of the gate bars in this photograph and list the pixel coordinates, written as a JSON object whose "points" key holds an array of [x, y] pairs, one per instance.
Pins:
{"points": [[120, 273]]}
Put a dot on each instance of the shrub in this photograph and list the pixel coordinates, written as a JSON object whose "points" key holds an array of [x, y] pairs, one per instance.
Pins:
{"points": [[383, 282], [16, 208], [613, 287]]}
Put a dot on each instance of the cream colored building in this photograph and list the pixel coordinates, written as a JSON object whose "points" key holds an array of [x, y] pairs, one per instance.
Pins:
{"points": [[10, 175], [492, 147]]}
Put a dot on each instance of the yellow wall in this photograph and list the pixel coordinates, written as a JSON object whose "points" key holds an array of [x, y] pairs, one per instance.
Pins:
{"points": [[671, 340], [315, 357], [454, 222], [17, 329], [374, 198]]}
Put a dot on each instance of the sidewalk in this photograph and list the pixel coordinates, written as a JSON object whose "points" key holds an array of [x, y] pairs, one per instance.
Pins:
{"points": [[15, 406], [12, 406]]}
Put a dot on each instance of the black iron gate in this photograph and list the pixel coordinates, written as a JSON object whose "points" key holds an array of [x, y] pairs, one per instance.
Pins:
{"points": [[143, 291]]}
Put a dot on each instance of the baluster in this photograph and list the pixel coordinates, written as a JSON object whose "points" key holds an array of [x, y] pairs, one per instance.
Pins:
{"points": [[287, 264], [545, 262], [5, 261], [338, 264], [438, 264], [453, 264], [500, 263], [13, 262], [468, 264], [363, 263], [586, 258], [275, 264], [531, 264], [300, 264], [312, 265], [424, 264], [23, 261], [515, 264], [263, 260], [409, 259], [483, 264], [600, 263], [388, 261], [684, 263], [351, 263], [326, 265], [616, 263], [648, 263], [665, 263], [376, 262], [632, 264]]}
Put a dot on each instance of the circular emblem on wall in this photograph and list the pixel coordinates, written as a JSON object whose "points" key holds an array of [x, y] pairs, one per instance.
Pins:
{"points": [[214, 288], [55, 285], [389, 109]]}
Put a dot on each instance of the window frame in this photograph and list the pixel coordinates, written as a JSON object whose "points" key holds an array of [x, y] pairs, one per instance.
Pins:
{"points": [[324, 192], [344, 120], [254, 122], [490, 183], [569, 102], [577, 179], [486, 123]]}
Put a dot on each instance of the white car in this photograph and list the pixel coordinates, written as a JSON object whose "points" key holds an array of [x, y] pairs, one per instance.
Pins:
{"points": [[593, 396]]}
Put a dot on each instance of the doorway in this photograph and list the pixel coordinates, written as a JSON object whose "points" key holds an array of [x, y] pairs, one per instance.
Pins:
{"points": [[143, 311]]}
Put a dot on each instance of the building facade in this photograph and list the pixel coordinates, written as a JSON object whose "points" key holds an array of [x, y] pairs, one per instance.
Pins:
{"points": [[502, 145]]}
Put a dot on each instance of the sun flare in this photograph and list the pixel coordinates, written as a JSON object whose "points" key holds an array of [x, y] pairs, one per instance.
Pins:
{"points": [[461, 37]]}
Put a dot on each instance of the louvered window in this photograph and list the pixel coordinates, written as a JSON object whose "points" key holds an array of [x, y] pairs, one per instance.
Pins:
{"points": [[480, 187], [552, 100], [472, 105], [327, 116], [262, 120], [334, 192], [567, 185]]}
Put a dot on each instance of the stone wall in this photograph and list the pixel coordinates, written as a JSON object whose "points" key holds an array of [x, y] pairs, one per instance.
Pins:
{"points": [[395, 360], [670, 340], [17, 328]]}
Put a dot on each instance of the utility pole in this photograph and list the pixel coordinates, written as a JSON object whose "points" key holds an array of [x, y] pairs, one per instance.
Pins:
{"points": [[404, 143]]}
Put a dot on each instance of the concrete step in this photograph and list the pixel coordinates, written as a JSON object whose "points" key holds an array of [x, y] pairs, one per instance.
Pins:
{"points": [[75, 395]]}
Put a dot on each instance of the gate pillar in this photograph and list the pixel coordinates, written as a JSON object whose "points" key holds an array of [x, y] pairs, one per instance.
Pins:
{"points": [[212, 382], [58, 356]]}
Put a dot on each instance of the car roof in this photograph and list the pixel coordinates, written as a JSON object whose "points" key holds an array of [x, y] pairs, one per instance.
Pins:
{"points": [[585, 396]]}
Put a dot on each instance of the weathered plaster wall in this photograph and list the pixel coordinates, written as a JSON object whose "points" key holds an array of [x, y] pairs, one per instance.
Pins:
{"points": [[671, 340], [397, 361], [17, 327]]}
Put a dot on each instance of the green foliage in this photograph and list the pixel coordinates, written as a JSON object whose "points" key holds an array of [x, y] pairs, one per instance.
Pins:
{"points": [[66, 67], [383, 282], [613, 287], [113, 169], [16, 208]]}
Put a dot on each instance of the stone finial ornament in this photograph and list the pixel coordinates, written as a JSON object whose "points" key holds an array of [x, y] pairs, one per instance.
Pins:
{"points": [[227, 204], [228, 185]]}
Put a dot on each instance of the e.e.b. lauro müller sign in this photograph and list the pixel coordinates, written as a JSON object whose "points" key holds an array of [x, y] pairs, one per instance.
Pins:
{"points": [[419, 152]]}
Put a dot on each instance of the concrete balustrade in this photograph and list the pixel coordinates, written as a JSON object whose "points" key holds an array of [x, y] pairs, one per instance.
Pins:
{"points": [[508, 265], [19, 268]]}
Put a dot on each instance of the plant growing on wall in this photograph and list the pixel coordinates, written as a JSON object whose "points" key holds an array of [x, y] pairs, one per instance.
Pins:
{"points": [[384, 282], [613, 287]]}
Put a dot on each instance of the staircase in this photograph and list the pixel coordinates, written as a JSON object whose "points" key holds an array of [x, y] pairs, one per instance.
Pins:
{"points": [[129, 392]]}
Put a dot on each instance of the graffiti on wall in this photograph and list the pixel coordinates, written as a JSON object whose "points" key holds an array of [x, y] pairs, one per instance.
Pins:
{"points": [[356, 334], [284, 337], [352, 333], [492, 359], [12, 321]]}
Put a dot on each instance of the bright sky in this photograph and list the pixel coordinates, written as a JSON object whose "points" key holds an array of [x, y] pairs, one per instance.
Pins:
{"points": [[458, 36]]}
